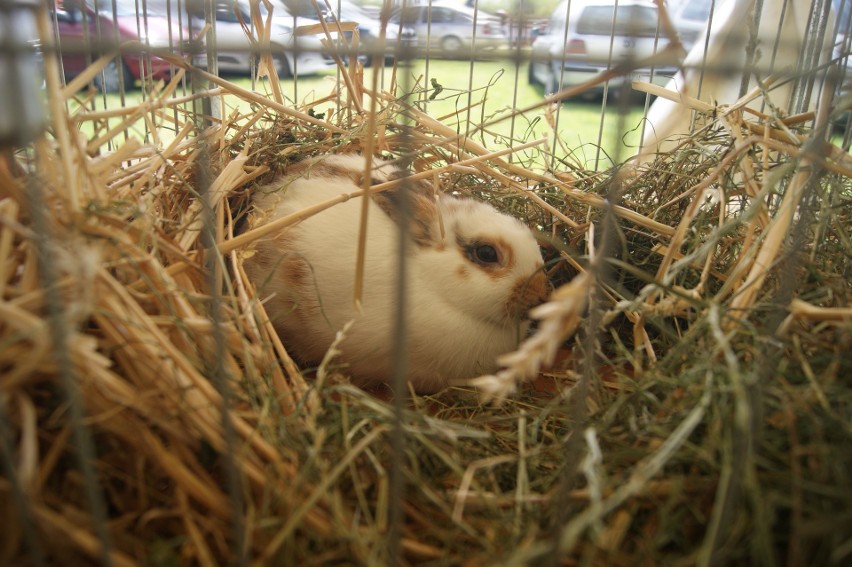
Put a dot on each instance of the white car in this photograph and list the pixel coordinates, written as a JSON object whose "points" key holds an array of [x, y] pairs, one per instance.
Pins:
{"points": [[841, 52], [369, 27], [593, 36], [294, 54], [450, 28], [690, 18]]}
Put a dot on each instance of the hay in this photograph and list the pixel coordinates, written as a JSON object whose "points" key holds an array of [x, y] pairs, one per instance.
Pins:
{"points": [[687, 401]]}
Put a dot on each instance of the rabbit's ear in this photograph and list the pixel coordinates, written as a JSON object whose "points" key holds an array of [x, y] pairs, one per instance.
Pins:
{"points": [[425, 227]]}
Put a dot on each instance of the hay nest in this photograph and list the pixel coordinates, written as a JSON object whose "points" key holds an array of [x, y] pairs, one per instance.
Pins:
{"points": [[686, 398]]}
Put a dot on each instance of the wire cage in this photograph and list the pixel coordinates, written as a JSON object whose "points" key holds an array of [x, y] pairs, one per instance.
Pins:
{"points": [[592, 258]]}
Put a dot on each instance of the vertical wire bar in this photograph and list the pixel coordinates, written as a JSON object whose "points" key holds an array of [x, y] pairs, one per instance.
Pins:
{"points": [[779, 38], [605, 95], [843, 25], [59, 332], [706, 41], [170, 31], [81, 436], [119, 59], [204, 106], [214, 268], [427, 50], [471, 53], [210, 44], [400, 396], [751, 48], [517, 59], [653, 70], [145, 66], [704, 58], [558, 83], [576, 407], [176, 7], [812, 54], [397, 488], [295, 63]]}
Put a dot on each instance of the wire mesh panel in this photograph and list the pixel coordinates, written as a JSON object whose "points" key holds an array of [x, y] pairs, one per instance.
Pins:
{"points": [[499, 282]]}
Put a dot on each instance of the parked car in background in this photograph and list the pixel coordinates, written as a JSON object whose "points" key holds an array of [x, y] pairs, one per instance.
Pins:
{"points": [[586, 37], [83, 34], [451, 29], [236, 53], [690, 18], [841, 55], [369, 29], [369, 26]]}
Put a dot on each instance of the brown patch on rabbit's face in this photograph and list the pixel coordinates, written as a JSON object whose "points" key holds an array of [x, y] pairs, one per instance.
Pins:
{"points": [[527, 293]]}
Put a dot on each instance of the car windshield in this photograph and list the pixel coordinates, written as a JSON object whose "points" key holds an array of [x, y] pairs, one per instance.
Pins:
{"points": [[634, 21]]}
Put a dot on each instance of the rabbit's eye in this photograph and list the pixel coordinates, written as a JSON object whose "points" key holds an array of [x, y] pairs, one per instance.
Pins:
{"points": [[485, 254]]}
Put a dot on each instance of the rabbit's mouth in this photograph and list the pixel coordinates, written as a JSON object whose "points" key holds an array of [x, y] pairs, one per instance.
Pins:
{"points": [[527, 293]]}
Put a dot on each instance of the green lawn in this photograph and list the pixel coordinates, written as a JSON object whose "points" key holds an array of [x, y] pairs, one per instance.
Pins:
{"points": [[485, 92], [499, 87]]}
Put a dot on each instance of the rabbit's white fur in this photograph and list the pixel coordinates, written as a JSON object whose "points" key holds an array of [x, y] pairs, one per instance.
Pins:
{"points": [[461, 314]]}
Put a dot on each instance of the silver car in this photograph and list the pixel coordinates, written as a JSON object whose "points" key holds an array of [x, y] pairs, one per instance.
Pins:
{"points": [[235, 53], [586, 37], [691, 17], [369, 27], [450, 28]]}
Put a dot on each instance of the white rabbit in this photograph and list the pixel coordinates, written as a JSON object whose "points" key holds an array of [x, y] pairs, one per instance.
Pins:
{"points": [[472, 274]]}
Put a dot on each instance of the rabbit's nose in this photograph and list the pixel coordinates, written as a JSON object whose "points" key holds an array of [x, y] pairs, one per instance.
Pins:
{"points": [[529, 292], [540, 288]]}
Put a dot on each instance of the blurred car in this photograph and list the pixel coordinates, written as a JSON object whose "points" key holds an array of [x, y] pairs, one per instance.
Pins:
{"points": [[369, 26], [235, 53], [84, 34], [594, 36], [690, 18], [841, 55], [842, 48], [450, 28]]}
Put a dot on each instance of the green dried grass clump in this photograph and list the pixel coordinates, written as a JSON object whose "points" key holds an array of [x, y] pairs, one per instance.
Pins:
{"points": [[685, 416]]}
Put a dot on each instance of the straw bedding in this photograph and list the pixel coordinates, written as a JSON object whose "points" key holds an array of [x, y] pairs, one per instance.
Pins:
{"points": [[686, 398]]}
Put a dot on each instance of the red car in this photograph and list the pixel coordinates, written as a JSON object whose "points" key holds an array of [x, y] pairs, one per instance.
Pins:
{"points": [[87, 30]]}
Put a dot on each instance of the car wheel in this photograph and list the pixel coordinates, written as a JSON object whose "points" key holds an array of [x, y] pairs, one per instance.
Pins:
{"points": [[531, 80], [109, 80], [551, 83], [282, 66], [451, 44]]}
